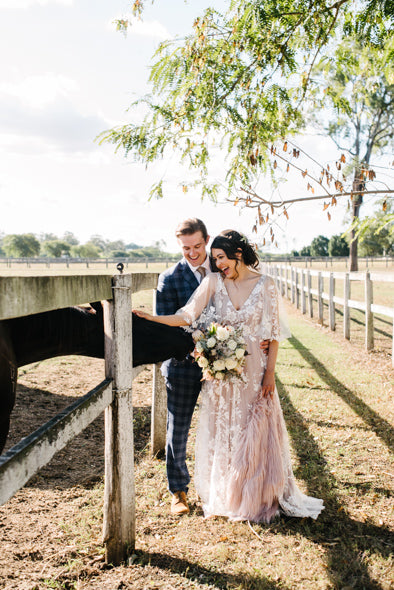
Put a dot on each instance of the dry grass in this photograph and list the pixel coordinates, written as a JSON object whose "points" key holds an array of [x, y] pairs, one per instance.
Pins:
{"points": [[382, 265], [337, 402]]}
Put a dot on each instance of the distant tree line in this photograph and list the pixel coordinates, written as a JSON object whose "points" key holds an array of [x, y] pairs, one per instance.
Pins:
{"points": [[376, 241], [29, 245]]}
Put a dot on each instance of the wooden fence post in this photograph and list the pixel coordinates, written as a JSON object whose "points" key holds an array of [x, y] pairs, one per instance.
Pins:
{"points": [[369, 339], [286, 281], [119, 499], [303, 298], [331, 304], [310, 297], [297, 291], [392, 346], [320, 286], [281, 291], [346, 309], [159, 407], [292, 284]]}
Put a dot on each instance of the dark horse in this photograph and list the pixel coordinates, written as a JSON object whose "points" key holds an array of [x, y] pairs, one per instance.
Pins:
{"points": [[74, 330]]}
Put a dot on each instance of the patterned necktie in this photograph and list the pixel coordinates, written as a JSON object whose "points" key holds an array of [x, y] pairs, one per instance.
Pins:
{"points": [[202, 271]]}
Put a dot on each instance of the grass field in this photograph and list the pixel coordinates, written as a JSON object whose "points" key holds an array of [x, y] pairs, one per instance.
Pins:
{"points": [[337, 402], [341, 265]]}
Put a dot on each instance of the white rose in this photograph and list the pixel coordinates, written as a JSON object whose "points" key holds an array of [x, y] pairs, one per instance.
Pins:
{"points": [[219, 376], [231, 364], [199, 347], [222, 333], [240, 353], [211, 342], [219, 365], [202, 362], [197, 335], [232, 344]]}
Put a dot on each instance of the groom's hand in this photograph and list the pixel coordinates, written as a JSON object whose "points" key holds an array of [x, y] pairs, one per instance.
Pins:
{"points": [[265, 345]]}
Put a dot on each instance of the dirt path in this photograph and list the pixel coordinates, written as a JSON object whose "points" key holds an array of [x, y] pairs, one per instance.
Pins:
{"points": [[51, 529]]}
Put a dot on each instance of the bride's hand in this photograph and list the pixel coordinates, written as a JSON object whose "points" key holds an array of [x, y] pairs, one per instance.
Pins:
{"points": [[143, 314], [268, 384]]}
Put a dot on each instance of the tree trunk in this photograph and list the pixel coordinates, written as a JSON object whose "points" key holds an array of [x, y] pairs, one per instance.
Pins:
{"points": [[358, 185]]}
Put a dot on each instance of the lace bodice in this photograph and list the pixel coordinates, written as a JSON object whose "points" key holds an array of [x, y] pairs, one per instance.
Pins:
{"points": [[258, 316]]}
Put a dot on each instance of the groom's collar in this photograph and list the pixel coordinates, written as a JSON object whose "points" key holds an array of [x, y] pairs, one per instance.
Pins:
{"points": [[205, 264]]}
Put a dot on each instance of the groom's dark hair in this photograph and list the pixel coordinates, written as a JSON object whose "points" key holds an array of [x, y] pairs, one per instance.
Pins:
{"points": [[191, 226]]}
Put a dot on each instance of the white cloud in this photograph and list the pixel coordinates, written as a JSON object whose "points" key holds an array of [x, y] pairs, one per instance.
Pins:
{"points": [[21, 4], [43, 111], [40, 90], [152, 29], [60, 126]]}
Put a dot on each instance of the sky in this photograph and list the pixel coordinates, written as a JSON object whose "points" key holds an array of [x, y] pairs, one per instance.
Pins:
{"points": [[66, 76]]}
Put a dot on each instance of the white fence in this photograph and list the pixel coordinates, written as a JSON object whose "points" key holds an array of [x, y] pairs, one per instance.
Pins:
{"points": [[296, 284], [21, 296]]}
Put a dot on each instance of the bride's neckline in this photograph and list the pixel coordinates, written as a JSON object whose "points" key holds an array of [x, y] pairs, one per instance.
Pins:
{"points": [[238, 308]]}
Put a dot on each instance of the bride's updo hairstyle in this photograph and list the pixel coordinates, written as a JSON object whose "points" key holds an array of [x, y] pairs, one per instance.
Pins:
{"points": [[233, 243]]}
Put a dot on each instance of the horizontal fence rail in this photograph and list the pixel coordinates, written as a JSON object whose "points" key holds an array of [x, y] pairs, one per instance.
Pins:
{"points": [[21, 296], [369, 261], [295, 284], [86, 262], [24, 459]]}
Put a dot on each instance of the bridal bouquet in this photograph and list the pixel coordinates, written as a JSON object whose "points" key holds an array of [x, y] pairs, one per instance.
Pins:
{"points": [[220, 351]]}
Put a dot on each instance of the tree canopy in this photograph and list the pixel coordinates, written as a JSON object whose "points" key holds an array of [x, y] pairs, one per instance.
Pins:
{"points": [[21, 245], [238, 87], [358, 82], [319, 246]]}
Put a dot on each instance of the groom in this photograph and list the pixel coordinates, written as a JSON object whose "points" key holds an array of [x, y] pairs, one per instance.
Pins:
{"points": [[183, 378]]}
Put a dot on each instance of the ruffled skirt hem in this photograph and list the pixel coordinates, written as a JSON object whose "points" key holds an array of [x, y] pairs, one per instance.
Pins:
{"points": [[260, 483]]}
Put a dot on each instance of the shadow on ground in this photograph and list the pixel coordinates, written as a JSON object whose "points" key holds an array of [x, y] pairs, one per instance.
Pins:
{"points": [[346, 541], [203, 575]]}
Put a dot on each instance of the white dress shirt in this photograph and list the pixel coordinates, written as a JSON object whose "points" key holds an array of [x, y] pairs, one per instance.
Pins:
{"points": [[194, 269]]}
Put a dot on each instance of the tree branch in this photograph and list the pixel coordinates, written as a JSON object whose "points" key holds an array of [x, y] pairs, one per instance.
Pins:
{"points": [[277, 204]]}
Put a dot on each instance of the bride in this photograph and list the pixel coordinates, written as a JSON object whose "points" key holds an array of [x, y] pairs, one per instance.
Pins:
{"points": [[242, 465]]}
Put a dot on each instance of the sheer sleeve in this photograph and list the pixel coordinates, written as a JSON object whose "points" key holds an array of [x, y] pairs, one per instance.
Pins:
{"points": [[200, 299], [274, 325]]}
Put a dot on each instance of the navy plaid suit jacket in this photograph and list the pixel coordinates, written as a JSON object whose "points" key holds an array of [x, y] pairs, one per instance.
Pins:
{"points": [[176, 285]]}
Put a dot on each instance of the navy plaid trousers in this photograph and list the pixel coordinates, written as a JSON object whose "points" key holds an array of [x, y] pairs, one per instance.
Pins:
{"points": [[183, 378], [183, 387]]}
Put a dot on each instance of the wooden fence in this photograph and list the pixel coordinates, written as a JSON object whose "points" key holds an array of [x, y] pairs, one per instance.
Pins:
{"points": [[296, 284], [17, 263], [307, 261], [21, 296]]}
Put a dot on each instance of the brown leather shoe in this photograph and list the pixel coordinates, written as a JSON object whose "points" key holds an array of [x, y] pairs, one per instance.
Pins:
{"points": [[179, 504]]}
